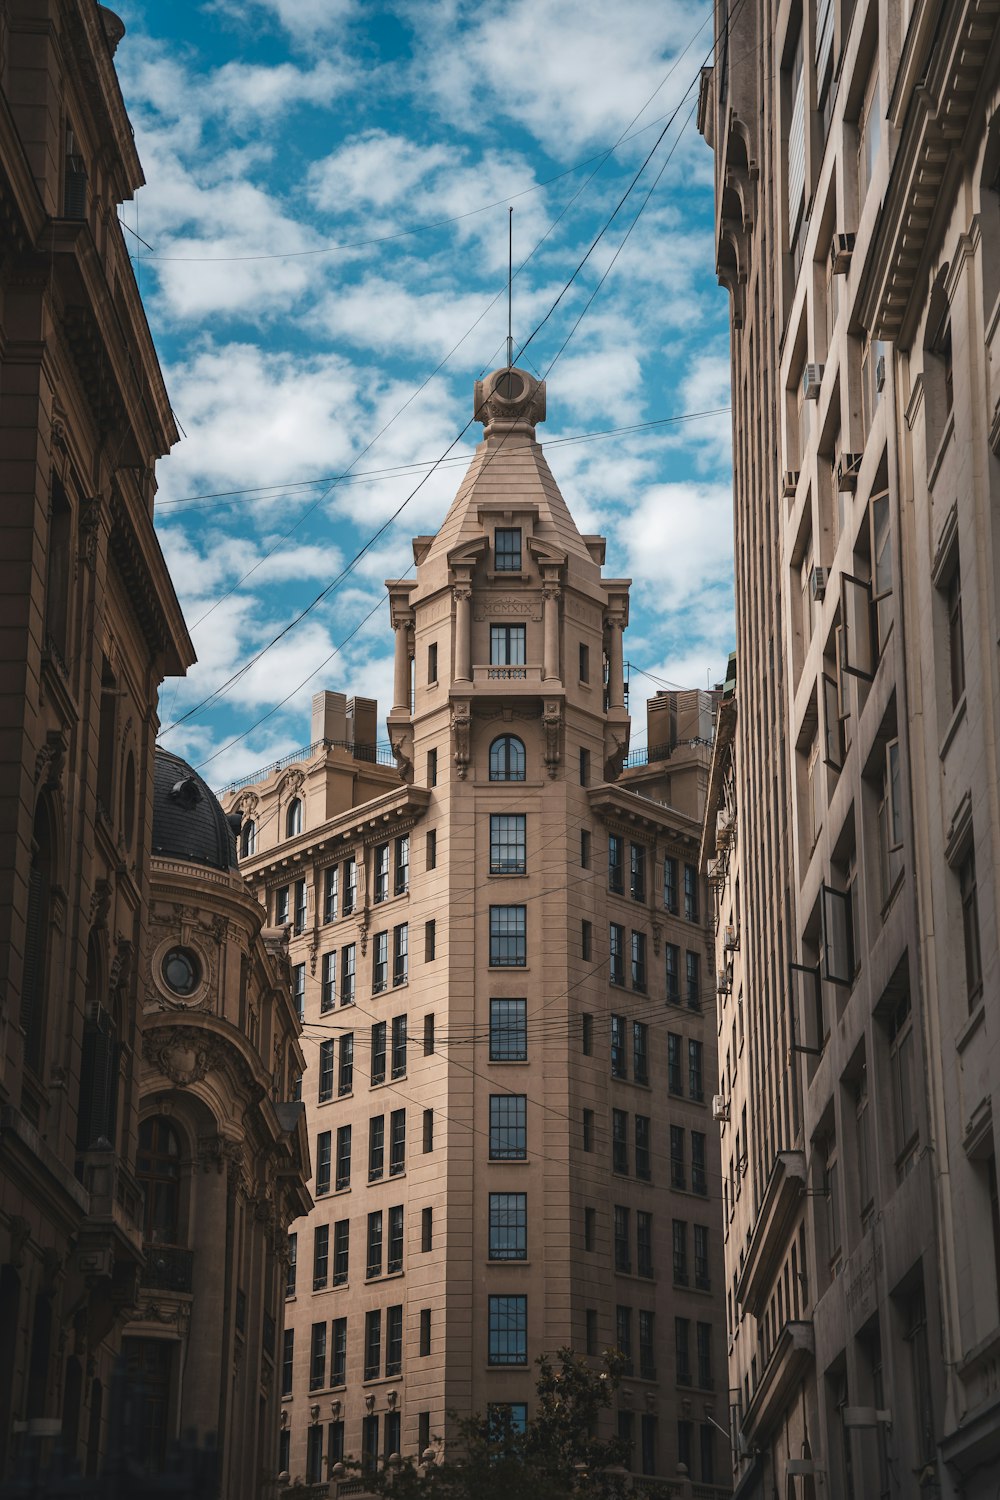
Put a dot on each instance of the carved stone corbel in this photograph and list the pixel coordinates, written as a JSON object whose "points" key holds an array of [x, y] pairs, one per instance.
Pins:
{"points": [[461, 729], [552, 721]]}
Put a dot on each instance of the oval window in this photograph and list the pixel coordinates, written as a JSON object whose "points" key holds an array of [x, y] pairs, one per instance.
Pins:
{"points": [[182, 971]]}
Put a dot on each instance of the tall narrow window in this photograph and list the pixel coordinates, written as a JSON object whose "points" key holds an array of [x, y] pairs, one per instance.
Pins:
{"points": [[508, 1031], [643, 1147], [623, 1255], [691, 893], [673, 972], [323, 1163], [400, 954], [343, 1178], [970, 927], [639, 962], [341, 1251], [508, 1330], [428, 1131], [377, 1068], [644, 1243], [328, 990], [508, 1127], [321, 1256], [287, 1361], [670, 884], [508, 937], [693, 974], [291, 1273], [380, 962], [956, 637], [325, 1070], [584, 672], [619, 1054], [869, 135], [376, 1147], [432, 663], [293, 818], [678, 1177], [616, 863], [374, 1263], [431, 849], [301, 906], [674, 1080], [647, 1355], [637, 872], [507, 844], [796, 165], [317, 1357], [299, 990], [331, 893], [507, 759], [347, 974], [380, 873], [680, 1252], [695, 1085], [393, 1343], [432, 768], [350, 885], [401, 883], [616, 940], [430, 940], [682, 1350], [619, 1141], [345, 1078], [508, 1226], [399, 1046], [338, 1360], [699, 1175], [397, 1142], [248, 839], [373, 1346]]}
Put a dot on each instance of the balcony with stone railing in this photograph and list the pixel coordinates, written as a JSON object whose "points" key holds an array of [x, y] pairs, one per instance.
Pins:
{"points": [[168, 1268]]}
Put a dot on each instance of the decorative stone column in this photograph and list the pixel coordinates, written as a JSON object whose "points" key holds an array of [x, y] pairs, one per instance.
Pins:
{"points": [[551, 632], [401, 673], [616, 669], [463, 632]]}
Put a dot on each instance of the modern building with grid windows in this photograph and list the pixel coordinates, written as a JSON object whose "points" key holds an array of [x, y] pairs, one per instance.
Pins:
{"points": [[500, 936], [851, 833]]}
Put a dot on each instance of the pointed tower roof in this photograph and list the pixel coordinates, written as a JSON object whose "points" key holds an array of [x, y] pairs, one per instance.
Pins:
{"points": [[509, 470]]}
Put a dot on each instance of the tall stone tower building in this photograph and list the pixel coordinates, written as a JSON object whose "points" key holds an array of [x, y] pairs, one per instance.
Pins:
{"points": [[852, 830], [503, 961]]}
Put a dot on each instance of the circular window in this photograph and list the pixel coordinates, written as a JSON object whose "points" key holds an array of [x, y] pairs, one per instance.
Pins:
{"points": [[510, 386], [182, 971]]}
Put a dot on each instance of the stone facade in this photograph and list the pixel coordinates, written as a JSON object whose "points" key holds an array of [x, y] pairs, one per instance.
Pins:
{"points": [[856, 197], [511, 1136], [91, 626]]}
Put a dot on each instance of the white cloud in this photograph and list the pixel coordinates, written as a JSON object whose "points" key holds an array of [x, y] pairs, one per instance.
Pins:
{"points": [[304, 20], [678, 540]]}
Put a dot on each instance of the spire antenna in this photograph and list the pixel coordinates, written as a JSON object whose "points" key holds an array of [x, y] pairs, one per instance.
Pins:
{"points": [[510, 286]]}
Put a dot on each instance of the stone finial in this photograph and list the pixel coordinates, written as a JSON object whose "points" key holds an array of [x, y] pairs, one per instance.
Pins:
{"points": [[508, 399]]}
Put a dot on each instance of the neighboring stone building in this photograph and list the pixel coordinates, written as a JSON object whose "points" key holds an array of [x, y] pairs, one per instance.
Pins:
{"points": [[856, 194], [91, 626], [511, 1136], [223, 1153]]}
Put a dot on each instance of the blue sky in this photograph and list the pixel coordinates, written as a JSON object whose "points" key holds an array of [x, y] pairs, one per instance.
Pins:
{"points": [[273, 130]]}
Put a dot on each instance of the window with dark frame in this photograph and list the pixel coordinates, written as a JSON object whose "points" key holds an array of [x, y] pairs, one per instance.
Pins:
{"points": [[693, 972], [380, 962], [586, 941], [331, 888], [670, 884], [399, 1047], [343, 1177], [589, 1228], [584, 670], [637, 871], [507, 549], [639, 962], [643, 1148], [317, 1357], [507, 645], [377, 1063], [287, 1361], [968, 891], [619, 1141], [644, 1243], [373, 1345], [430, 849], [640, 1051], [680, 1252], [699, 1176], [429, 1035], [690, 893], [588, 1130], [328, 991], [507, 759], [956, 634], [647, 1344], [616, 953], [674, 1079], [347, 974], [350, 884], [373, 1265], [425, 1332], [623, 1336], [584, 766], [702, 1276], [508, 1031], [401, 882], [397, 1142], [426, 1230], [299, 990], [376, 1148], [292, 1267], [508, 855], [508, 1127], [622, 1238], [301, 906], [432, 767], [432, 663], [508, 1330], [619, 1055], [508, 1226], [393, 1344], [345, 1077], [323, 1163], [672, 965], [338, 1358], [678, 1177], [341, 1251], [325, 1090], [585, 843], [616, 864], [430, 940], [508, 937], [400, 954]]}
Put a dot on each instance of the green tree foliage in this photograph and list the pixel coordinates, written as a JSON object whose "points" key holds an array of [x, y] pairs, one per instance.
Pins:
{"points": [[557, 1455]]}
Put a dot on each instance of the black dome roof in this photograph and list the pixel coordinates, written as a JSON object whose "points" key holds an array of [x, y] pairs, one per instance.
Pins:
{"points": [[188, 821]]}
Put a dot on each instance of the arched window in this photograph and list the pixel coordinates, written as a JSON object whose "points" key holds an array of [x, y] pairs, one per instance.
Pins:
{"points": [[158, 1168], [248, 838], [97, 1111], [293, 818], [507, 759]]}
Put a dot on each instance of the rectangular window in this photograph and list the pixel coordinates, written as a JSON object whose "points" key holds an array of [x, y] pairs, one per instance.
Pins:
{"points": [[586, 941], [428, 1131], [693, 980], [401, 883], [592, 1340], [869, 136], [423, 1431], [430, 941], [589, 1228], [425, 1332], [287, 1361], [616, 863], [432, 768], [680, 1252], [380, 962], [350, 884], [393, 1419], [377, 1073], [345, 1078], [901, 1056], [508, 1330], [331, 889], [508, 1127], [616, 941], [290, 1274], [673, 973], [429, 1035], [970, 927], [376, 1147], [393, 1342], [281, 906], [299, 990], [380, 873], [637, 872], [431, 849], [890, 823], [507, 844], [670, 884], [643, 1147], [400, 954], [341, 1251], [507, 643], [584, 672], [690, 893], [426, 1230], [795, 176], [507, 549], [639, 962], [323, 1163], [623, 1331], [328, 992], [432, 663], [644, 1243], [647, 1424], [347, 974], [677, 1173], [397, 1142], [956, 636], [338, 1361], [703, 1334], [343, 1157], [640, 1051], [674, 1081], [373, 1265], [682, 1350], [317, 1357], [626, 1427], [585, 848], [699, 1177], [301, 909], [373, 1345], [587, 1035], [588, 1130], [623, 1253], [619, 1141], [508, 937], [399, 1046], [369, 1434], [881, 568], [695, 1075], [508, 1226], [647, 1344], [702, 1278], [619, 1056], [508, 1031], [325, 1071], [584, 766]]}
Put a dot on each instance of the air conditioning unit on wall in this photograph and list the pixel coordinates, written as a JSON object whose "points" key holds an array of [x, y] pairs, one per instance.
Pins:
{"points": [[720, 1108], [817, 584], [841, 250], [812, 379]]}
